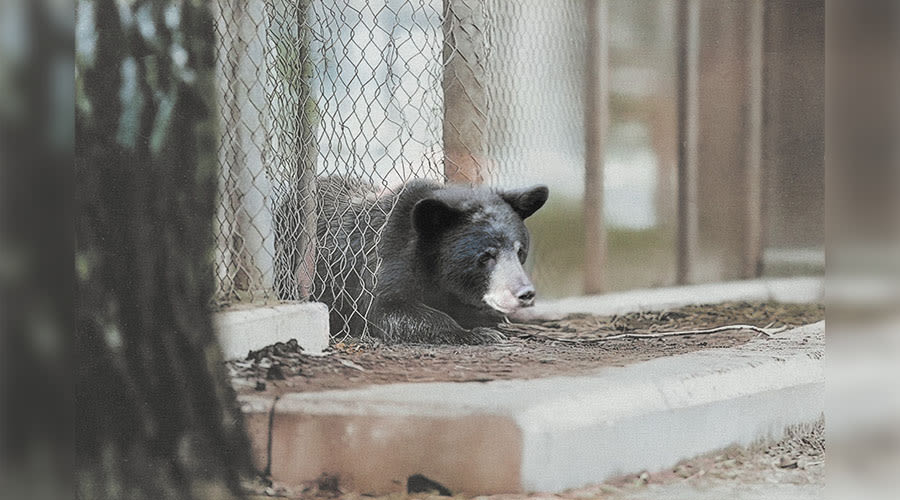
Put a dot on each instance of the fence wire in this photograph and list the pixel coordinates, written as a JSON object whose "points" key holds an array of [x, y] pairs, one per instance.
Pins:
{"points": [[330, 100]]}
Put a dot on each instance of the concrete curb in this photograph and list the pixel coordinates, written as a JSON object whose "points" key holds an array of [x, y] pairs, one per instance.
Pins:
{"points": [[554, 433], [244, 330], [257, 412], [798, 290]]}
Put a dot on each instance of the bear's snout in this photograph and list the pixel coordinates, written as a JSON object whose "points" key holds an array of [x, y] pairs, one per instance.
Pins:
{"points": [[509, 288], [526, 295]]}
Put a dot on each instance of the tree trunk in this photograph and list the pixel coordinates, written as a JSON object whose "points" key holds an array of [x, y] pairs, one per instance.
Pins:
{"points": [[155, 416]]}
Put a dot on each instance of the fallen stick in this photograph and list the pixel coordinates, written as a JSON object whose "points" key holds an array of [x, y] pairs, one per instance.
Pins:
{"points": [[768, 332]]}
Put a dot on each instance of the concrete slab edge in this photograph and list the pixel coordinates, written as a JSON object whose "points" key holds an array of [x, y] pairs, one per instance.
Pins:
{"points": [[796, 290], [738, 400], [571, 430], [244, 330], [258, 412]]}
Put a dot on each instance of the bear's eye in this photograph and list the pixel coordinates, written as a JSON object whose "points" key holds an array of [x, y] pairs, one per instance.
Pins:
{"points": [[487, 256], [522, 255]]}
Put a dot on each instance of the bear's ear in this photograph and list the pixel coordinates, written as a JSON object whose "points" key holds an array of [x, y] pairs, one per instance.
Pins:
{"points": [[526, 201], [430, 216]]}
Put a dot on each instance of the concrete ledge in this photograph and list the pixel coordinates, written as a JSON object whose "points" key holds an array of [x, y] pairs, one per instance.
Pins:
{"points": [[257, 412], [244, 330], [554, 433], [376, 453], [793, 261], [799, 290]]}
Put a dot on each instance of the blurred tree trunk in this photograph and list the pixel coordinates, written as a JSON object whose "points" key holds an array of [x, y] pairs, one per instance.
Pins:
{"points": [[155, 416], [36, 247]]}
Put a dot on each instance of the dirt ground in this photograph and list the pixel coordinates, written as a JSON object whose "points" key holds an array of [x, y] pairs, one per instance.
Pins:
{"points": [[576, 344], [791, 468], [798, 459]]}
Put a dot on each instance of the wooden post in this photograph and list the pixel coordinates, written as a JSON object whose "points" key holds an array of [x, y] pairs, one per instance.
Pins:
{"points": [[753, 237], [465, 97], [688, 107], [596, 121]]}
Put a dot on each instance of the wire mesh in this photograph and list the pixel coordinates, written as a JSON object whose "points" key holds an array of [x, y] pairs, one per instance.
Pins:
{"points": [[329, 106]]}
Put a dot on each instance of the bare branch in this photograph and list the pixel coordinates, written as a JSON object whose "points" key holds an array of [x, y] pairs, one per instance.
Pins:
{"points": [[768, 332]]}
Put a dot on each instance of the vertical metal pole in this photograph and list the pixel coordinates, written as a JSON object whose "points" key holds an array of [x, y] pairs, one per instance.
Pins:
{"points": [[235, 275], [596, 123], [291, 149], [306, 149], [688, 108], [753, 239], [465, 96]]}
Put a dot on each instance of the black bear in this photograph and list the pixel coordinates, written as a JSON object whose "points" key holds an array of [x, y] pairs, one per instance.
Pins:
{"points": [[434, 263]]}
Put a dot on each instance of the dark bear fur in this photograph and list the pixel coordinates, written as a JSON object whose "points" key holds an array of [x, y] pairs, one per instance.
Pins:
{"points": [[445, 252]]}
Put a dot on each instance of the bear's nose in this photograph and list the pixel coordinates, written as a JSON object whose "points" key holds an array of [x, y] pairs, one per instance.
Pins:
{"points": [[526, 296]]}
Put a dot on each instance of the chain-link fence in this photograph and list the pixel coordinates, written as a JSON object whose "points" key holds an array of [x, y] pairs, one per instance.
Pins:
{"points": [[328, 99]]}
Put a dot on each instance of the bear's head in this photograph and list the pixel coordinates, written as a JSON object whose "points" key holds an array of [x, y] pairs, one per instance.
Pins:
{"points": [[472, 243]]}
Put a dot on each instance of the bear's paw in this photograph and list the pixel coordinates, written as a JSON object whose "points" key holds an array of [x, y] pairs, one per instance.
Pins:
{"points": [[484, 335]]}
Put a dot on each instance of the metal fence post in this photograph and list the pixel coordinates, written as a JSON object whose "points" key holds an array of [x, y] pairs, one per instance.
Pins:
{"points": [[688, 106], [294, 157], [753, 244], [229, 272], [465, 96], [596, 123]]}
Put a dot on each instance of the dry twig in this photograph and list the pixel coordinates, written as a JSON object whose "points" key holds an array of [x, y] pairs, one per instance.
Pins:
{"points": [[768, 332]]}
